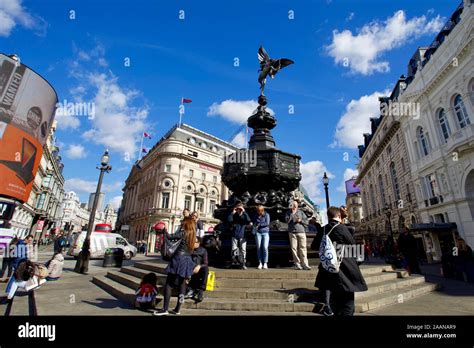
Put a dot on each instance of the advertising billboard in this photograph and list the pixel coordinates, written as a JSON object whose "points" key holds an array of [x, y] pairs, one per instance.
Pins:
{"points": [[351, 187], [27, 107]]}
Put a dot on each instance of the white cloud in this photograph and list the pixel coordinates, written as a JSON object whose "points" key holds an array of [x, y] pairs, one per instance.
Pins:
{"points": [[87, 186], [348, 174], [240, 140], [116, 202], [75, 151], [12, 13], [356, 120], [66, 120], [350, 16], [312, 180], [361, 52], [117, 124], [236, 111]]}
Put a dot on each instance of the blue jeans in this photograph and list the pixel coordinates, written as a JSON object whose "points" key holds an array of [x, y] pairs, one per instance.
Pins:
{"points": [[262, 240]]}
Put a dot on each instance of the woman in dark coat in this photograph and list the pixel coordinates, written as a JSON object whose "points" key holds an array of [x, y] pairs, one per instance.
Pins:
{"points": [[349, 279], [180, 269]]}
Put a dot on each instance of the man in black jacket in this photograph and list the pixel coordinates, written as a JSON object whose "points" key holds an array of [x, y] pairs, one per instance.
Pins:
{"points": [[239, 220], [198, 282], [349, 279]]}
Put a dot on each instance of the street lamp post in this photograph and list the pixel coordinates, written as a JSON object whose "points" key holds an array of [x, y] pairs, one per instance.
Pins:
{"points": [[388, 213], [82, 263], [326, 190]]}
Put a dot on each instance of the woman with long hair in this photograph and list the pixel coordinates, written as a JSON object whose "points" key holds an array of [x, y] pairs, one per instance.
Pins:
{"points": [[180, 269]]}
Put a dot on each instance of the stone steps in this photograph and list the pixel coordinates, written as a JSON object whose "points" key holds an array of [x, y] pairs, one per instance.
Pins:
{"points": [[394, 297], [274, 291]]}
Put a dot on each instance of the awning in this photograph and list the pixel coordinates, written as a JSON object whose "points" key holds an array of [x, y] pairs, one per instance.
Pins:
{"points": [[445, 226]]}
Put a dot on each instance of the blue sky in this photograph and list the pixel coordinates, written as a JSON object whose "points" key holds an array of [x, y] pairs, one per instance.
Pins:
{"points": [[346, 54]]}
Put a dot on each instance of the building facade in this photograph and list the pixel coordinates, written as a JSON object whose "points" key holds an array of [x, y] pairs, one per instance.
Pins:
{"points": [[384, 177], [110, 215], [440, 142], [181, 171]]}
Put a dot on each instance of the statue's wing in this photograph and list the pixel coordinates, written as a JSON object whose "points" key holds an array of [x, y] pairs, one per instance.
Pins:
{"points": [[263, 55], [281, 63]]}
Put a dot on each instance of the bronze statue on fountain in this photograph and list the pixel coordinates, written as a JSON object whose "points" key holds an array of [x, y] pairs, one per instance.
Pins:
{"points": [[269, 181]]}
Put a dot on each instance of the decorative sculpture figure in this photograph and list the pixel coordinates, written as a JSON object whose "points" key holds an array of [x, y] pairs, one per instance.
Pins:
{"points": [[269, 66]]}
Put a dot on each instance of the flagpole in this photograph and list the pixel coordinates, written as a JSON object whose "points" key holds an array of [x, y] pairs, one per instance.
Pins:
{"points": [[141, 147], [180, 113]]}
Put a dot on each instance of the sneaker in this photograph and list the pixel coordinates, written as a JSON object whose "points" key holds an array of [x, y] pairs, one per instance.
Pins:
{"points": [[189, 294], [298, 267], [265, 266], [327, 311], [200, 296], [244, 267], [160, 312], [306, 268], [175, 313], [259, 266]]}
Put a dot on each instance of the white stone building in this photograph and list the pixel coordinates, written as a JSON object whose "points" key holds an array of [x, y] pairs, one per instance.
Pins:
{"points": [[181, 171], [440, 141]]}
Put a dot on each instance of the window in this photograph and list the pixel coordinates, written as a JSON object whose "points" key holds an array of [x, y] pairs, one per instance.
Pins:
{"points": [[408, 193], [393, 173], [41, 199], [203, 176], [203, 145], [47, 180], [372, 199], [214, 179], [168, 168], [191, 173], [167, 183], [165, 200], [389, 150], [382, 191], [403, 164], [212, 206], [200, 205], [444, 125], [431, 185], [187, 202], [460, 111], [398, 139], [423, 142]]}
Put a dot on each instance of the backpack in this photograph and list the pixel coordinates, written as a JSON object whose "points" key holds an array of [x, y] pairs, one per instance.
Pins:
{"points": [[146, 293], [169, 247], [41, 271], [328, 255]]}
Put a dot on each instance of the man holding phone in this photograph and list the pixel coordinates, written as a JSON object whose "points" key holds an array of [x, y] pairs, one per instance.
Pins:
{"points": [[239, 219], [297, 222]]}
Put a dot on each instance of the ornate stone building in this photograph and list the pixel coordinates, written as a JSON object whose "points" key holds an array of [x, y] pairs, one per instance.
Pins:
{"points": [[418, 161], [440, 142], [384, 177], [181, 171]]}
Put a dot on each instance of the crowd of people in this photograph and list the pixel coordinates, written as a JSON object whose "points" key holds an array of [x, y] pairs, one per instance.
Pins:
{"points": [[23, 272]]}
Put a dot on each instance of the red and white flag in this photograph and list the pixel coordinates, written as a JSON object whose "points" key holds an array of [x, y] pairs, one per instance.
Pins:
{"points": [[185, 101], [146, 135]]}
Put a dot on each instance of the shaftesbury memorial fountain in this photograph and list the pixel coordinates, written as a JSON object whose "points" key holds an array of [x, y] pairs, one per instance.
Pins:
{"points": [[271, 182]]}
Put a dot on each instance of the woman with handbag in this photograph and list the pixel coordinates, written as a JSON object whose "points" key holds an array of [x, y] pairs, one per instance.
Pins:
{"points": [[261, 230], [180, 269]]}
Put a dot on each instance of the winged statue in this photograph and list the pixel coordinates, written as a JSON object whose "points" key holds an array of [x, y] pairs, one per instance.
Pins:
{"points": [[269, 66]]}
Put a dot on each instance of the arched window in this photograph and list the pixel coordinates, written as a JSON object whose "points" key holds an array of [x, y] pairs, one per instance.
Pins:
{"points": [[382, 191], [393, 173], [423, 142], [444, 124], [460, 111]]}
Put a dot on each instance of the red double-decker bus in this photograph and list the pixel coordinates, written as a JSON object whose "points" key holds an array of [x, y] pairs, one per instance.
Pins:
{"points": [[105, 228]]}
